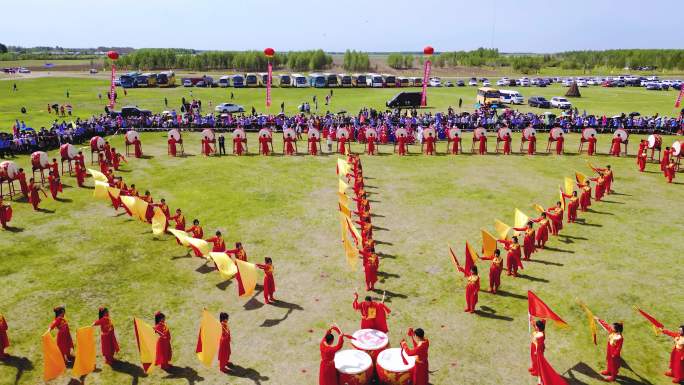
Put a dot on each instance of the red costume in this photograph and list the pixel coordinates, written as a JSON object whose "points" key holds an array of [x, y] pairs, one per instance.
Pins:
{"points": [[219, 244], [373, 314], [599, 188], [33, 197], [483, 145], [224, 346], [54, 167], [370, 145], [670, 172], [472, 290], [313, 145], [591, 149], [531, 145], [269, 282], [206, 147], [573, 205], [64, 341], [5, 214], [327, 374], [342, 145], [164, 352], [542, 231], [138, 148], [370, 268], [585, 196], [289, 147], [665, 160], [528, 241], [401, 141], [495, 270], [263, 145], [420, 371], [180, 223], [615, 146], [455, 144], [559, 145], [238, 147], [4, 340], [556, 215], [513, 260], [613, 349], [507, 145], [110, 346], [172, 146], [80, 174], [55, 186], [21, 176], [676, 356], [430, 145]]}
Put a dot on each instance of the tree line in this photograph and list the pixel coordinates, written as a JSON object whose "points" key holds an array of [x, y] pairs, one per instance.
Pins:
{"points": [[399, 61], [356, 61]]}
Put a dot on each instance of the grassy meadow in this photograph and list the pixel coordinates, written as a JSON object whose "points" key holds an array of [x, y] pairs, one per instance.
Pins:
{"points": [[82, 253]]}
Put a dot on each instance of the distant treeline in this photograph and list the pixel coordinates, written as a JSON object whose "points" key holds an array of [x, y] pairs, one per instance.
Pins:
{"points": [[399, 61], [256, 61], [356, 61]]}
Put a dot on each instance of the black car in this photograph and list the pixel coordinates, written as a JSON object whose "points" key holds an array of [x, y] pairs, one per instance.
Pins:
{"points": [[460, 83], [538, 101], [130, 111], [405, 100]]}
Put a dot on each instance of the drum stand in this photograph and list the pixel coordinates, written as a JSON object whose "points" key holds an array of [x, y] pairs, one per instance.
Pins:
{"points": [[128, 144], [652, 153], [11, 192], [92, 155], [581, 146], [548, 145], [626, 143], [498, 140], [42, 174], [677, 163], [522, 144], [68, 164]]}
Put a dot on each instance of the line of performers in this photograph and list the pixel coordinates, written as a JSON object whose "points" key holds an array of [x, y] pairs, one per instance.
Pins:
{"points": [[668, 165]]}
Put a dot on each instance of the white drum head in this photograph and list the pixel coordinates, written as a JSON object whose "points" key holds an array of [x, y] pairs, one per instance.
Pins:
{"points": [[390, 360], [401, 132], [239, 133], [68, 151], [587, 132], [352, 361], [371, 133], [343, 132], [97, 143], [9, 169], [556, 133], [40, 159], [502, 132], [428, 131], [527, 132], [652, 140], [289, 132], [369, 339], [131, 136], [175, 134], [677, 148], [453, 131], [208, 134], [265, 132], [313, 133], [479, 132], [622, 134]]}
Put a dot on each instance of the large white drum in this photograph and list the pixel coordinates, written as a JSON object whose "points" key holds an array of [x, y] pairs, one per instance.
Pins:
{"points": [[622, 134], [480, 131], [528, 131], [8, 170], [655, 141], [354, 367], [391, 368], [401, 132], [503, 131], [428, 131], [97, 143], [289, 132], [371, 133], [39, 159], [239, 133], [208, 133], [132, 136], [68, 151], [678, 148], [342, 132], [453, 132], [588, 132], [175, 134], [556, 133], [313, 133], [371, 341], [265, 132]]}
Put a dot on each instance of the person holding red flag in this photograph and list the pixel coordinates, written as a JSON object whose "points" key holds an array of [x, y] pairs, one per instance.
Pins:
{"points": [[373, 314], [573, 205], [556, 215], [110, 346], [269, 282], [4, 339], [421, 371], [472, 287], [224, 344], [613, 348], [513, 260], [540, 367], [164, 351], [543, 232], [495, 270], [677, 355], [528, 239], [327, 374], [64, 341]]}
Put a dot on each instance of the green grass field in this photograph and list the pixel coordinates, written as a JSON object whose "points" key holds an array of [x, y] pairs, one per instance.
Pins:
{"points": [[81, 253], [36, 94]]}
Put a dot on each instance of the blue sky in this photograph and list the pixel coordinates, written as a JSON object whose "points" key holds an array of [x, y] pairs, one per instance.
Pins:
{"points": [[370, 25]]}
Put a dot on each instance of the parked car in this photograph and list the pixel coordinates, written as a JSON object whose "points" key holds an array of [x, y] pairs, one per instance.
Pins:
{"points": [[472, 82], [486, 83], [229, 108], [460, 83], [405, 100], [560, 102], [187, 83], [608, 83], [653, 86], [511, 97], [435, 82], [502, 82], [582, 83], [130, 111], [524, 82], [448, 84], [23, 70], [538, 101]]}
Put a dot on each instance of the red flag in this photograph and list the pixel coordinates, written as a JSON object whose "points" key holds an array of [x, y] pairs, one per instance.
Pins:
{"points": [[650, 318], [547, 374], [537, 308], [470, 257], [454, 260], [678, 102]]}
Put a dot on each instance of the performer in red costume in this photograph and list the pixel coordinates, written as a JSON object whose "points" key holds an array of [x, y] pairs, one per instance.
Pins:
{"points": [[21, 177], [507, 144], [219, 246], [641, 160], [110, 346], [513, 260], [327, 374], [33, 196], [401, 142], [370, 268], [64, 341], [599, 189], [528, 240], [607, 174], [313, 145], [373, 314], [495, 270], [540, 367], [670, 171], [613, 349], [138, 148], [164, 351], [585, 197], [483, 144], [54, 167], [264, 140], [573, 205], [289, 147], [543, 231], [677, 355], [472, 288], [224, 344], [666, 158], [559, 144], [240, 254], [615, 145], [532, 144], [4, 339], [80, 174], [371, 145], [342, 145], [179, 218], [591, 148], [55, 184], [207, 150], [269, 282], [556, 215], [5, 213], [455, 144], [421, 371], [430, 144], [172, 146]]}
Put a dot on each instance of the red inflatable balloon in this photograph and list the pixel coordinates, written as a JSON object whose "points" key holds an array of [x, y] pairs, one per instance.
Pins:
{"points": [[428, 50], [269, 52], [113, 55]]}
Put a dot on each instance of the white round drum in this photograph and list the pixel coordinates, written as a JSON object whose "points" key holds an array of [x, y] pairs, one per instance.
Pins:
{"points": [[208, 133], [480, 131], [501, 134], [289, 132], [371, 133], [528, 131], [400, 132], [265, 132], [622, 134], [588, 132], [453, 132], [97, 143], [428, 131], [556, 133], [239, 133], [313, 133], [132, 135], [342, 132], [175, 134], [9, 170], [355, 367], [68, 151], [391, 368], [39, 159], [678, 148], [370, 340], [655, 141]]}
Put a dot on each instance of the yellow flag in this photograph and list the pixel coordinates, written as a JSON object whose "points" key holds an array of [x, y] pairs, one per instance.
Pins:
{"points": [[350, 252], [354, 231], [569, 185], [488, 243], [147, 344], [342, 186], [225, 265], [140, 208], [53, 362], [158, 221], [501, 228], [591, 166], [100, 191], [538, 208], [113, 191], [345, 210], [129, 202], [343, 226], [181, 235], [200, 244], [248, 275], [561, 198], [520, 219], [581, 178], [85, 352], [592, 322], [98, 176], [342, 166], [343, 199], [209, 335]]}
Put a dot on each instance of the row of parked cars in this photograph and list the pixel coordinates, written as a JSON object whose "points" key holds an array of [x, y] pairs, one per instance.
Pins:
{"points": [[316, 80], [16, 70]]}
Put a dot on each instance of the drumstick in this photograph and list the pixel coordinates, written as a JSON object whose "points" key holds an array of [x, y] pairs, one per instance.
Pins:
{"points": [[383, 296]]}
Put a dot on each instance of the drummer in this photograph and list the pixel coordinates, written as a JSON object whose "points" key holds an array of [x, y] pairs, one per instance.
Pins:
{"points": [[5, 214], [172, 145], [665, 160], [531, 144], [507, 144], [430, 144], [591, 149], [373, 314], [559, 144], [420, 348], [455, 143], [327, 374]]}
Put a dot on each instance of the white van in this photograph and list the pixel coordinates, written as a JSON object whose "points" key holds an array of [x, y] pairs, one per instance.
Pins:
{"points": [[375, 81], [511, 97], [299, 81], [224, 81]]}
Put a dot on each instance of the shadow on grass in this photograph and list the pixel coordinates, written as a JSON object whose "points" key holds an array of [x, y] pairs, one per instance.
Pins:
{"points": [[281, 304], [13, 229], [583, 369], [615, 202], [385, 275], [64, 200], [389, 294], [599, 212], [127, 368], [384, 243], [187, 373], [187, 255], [253, 302], [88, 187], [504, 293], [559, 250], [46, 211], [224, 285], [205, 269], [22, 364], [543, 262], [383, 255], [533, 279], [248, 373], [620, 194], [631, 381], [488, 312], [571, 237]]}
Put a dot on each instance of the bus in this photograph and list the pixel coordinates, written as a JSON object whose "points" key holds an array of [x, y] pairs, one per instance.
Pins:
{"points": [[331, 80], [390, 80], [129, 80], [416, 82], [263, 79], [166, 79], [344, 80], [285, 80], [488, 95], [151, 79], [375, 81], [317, 80], [224, 81], [403, 82], [238, 81], [299, 81], [142, 81], [251, 80], [359, 80]]}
